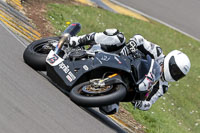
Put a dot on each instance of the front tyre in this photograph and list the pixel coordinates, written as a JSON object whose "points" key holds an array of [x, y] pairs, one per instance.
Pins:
{"points": [[85, 96], [36, 52]]}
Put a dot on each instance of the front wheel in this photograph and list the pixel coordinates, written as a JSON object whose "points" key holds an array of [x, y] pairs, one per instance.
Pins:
{"points": [[36, 52], [86, 95]]}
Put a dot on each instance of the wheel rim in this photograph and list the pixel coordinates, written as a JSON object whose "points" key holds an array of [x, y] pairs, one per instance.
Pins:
{"points": [[90, 90], [43, 48]]}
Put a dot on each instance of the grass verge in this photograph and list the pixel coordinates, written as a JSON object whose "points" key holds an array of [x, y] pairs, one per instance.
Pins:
{"points": [[178, 110]]}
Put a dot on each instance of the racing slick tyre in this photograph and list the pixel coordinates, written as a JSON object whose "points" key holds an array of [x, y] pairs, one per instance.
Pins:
{"points": [[83, 95], [36, 52]]}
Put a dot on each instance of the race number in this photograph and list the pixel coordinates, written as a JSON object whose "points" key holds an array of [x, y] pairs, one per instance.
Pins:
{"points": [[53, 59]]}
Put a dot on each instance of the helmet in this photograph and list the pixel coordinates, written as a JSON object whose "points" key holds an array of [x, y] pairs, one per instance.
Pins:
{"points": [[110, 37], [176, 66]]}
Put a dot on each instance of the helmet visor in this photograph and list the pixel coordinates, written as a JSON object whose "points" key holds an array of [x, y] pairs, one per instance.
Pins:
{"points": [[174, 70]]}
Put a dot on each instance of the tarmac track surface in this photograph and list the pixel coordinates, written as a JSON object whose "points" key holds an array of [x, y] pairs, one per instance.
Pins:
{"points": [[30, 103], [182, 15]]}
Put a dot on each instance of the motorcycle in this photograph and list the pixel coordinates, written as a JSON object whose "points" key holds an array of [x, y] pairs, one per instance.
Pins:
{"points": [[93, 77]]}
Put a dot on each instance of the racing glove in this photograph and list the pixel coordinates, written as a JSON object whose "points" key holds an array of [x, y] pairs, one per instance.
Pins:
{"points": [[74, 41], [82, 40], [134, 42], [132, 46], [142, 105]]}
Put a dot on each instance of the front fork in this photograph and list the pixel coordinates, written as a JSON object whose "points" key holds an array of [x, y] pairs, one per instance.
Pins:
{"points": [[110, 80]]}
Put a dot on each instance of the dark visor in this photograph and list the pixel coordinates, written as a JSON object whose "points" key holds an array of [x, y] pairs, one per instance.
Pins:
{"points": [[174, 70]]}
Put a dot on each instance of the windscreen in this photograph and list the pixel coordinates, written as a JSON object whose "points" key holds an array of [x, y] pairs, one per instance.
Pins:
{"points": [[142, 67]]}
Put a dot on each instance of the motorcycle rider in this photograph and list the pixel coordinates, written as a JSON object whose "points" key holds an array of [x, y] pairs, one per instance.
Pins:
{"points": [[174, 65]]}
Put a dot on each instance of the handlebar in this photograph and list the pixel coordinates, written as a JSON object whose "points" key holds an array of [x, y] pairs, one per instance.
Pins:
{"points": [[65, 37], [71, 30]]}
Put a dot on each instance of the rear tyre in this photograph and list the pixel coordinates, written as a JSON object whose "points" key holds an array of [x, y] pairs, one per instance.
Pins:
{"points": [[36, 52], [78, 94]]}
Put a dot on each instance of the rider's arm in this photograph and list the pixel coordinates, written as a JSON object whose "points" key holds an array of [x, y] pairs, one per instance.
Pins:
{"points": [[146, 47], [152, 49], [82, 40]]}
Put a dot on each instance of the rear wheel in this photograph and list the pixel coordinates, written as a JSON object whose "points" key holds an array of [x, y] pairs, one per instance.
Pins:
{"points": [[87, 95], [36, 52]]}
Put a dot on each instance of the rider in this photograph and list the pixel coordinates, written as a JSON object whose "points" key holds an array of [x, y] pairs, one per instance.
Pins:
{"points": [[173, 66]]}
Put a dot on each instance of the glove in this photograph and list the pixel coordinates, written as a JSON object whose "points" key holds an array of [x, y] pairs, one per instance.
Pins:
{"points": [[74, 41], [142, 105], [135, 41], [132, 46]]}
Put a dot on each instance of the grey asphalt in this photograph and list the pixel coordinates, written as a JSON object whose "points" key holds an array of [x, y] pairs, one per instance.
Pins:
{"points": [[31, 104], [180, 14], [102, 5]]}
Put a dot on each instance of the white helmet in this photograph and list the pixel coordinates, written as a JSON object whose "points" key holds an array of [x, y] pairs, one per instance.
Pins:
{"points": [[176, 65], [110, 37]]}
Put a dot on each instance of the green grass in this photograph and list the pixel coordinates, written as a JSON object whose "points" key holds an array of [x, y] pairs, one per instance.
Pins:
{"points": [[179, 110]]}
